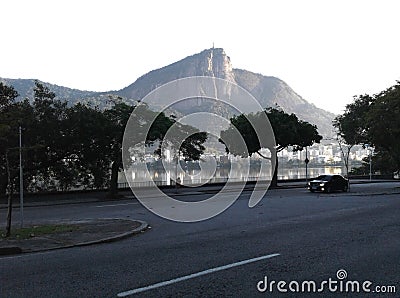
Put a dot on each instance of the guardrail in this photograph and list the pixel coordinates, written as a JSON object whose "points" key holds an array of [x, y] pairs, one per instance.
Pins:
{"points": [[187, 182], [214, 180], [217, 180]]}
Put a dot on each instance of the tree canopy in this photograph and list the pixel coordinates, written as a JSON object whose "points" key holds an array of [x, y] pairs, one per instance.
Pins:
{"points": [[375, 120], [73, 146], [288, 131]]}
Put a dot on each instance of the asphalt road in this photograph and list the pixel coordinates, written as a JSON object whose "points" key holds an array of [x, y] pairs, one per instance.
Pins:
{"points": [[296, 236]]}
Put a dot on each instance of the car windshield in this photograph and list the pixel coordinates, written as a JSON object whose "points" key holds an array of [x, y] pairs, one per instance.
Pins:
{"points": [[324, 177]]}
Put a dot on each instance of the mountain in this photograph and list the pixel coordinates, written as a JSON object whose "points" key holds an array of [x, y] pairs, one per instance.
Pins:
{"points": [[25, 88], [269, 91]]}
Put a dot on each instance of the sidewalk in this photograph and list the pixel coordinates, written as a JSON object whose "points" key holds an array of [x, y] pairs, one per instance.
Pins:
{"points": [[81, 233]]}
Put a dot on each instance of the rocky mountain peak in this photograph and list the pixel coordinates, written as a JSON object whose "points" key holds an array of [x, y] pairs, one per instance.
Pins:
{"points": [[210, 62], [215, 63]]}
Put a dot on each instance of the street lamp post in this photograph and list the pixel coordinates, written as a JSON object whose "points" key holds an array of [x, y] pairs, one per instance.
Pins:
{"points": [[306, 162], [369, 148], [21, 180], [370, 164]]}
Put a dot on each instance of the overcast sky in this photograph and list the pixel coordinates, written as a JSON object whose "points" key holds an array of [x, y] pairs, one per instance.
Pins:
{"points": [[327, 51]]}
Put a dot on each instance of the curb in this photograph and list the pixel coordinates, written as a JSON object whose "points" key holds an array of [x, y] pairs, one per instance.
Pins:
{"points": [[360, 194], [14, 250], [143, 227], [10, 250]]}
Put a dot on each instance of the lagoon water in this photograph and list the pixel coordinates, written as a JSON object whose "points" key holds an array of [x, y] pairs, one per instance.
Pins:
{"points": [[142, 174]]}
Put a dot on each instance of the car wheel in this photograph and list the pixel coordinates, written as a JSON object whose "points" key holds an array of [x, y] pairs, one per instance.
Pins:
{"points": [[312, 190], [328, 189], [346, 188]]}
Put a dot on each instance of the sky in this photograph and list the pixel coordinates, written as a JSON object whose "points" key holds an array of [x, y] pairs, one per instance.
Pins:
{"points": [[327, 51]]}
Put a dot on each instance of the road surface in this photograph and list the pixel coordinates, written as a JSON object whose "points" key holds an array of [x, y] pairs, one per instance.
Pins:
{"points": [[292, 236]]}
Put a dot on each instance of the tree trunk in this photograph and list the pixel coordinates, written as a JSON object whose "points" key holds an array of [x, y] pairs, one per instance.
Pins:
{"points": [[274, 181], [114, 179], [3, 188], [10, 193], [347, 171], [9, 213]]}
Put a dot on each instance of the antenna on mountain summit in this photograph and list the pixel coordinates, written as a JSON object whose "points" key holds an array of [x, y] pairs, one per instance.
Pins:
{"points": [[213, 45]]}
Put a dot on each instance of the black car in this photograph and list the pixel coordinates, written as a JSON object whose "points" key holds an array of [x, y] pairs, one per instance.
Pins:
{"points": [[328, 183]]}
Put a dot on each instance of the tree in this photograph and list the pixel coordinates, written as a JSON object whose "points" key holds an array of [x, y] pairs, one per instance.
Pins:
{"points": [[81, 145], [380, 161], [116, 119], [87, 163], [384, 125], [47, 135], [288, 131], [351, 127], [45, 145], [157, 131], [183, 141], [9, 120], [7, 101], [374, 120]]}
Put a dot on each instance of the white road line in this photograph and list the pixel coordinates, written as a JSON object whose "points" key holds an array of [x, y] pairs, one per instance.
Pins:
{"points": [[194, 275], [115, 205]]}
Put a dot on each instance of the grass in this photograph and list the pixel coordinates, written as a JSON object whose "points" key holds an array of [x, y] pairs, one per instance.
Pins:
{"points": [[29, 232]]}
